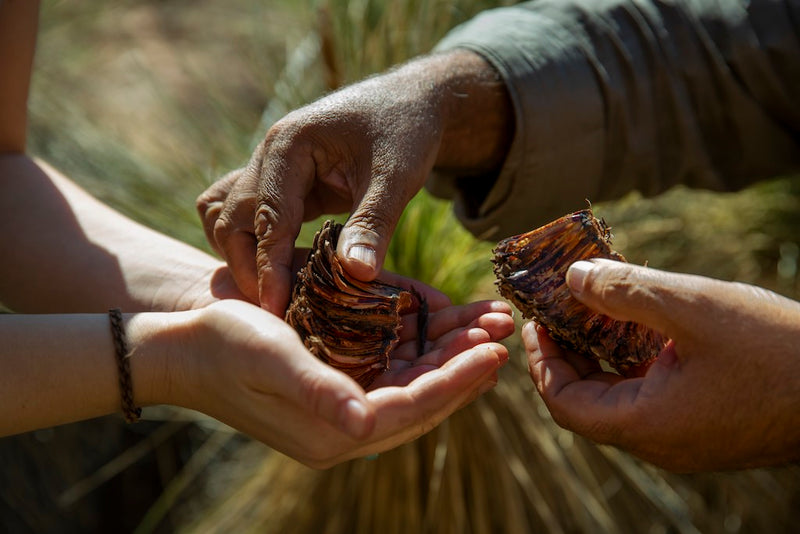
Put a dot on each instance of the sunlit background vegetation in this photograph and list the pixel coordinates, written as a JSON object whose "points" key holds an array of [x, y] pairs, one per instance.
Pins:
{"points": [[146, 103]]}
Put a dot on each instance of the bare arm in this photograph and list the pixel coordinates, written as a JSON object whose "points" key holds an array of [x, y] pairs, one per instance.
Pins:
{"points": [[64, 251], [70, 373], [61, 249], [18, 23]]}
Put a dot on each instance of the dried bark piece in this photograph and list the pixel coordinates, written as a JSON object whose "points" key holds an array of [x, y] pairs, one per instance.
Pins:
{"points": [[349, 324], [531, 272]]}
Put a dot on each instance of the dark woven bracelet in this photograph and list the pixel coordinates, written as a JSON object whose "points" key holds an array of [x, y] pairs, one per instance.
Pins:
{"points": [[129, 409]]}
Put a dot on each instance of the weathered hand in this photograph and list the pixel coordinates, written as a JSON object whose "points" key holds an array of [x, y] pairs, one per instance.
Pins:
{"points": [[723, 394], [247, 368], [366, 149]]}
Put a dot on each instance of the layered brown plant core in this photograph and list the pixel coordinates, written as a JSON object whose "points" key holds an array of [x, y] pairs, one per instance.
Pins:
{"points": [[531, 272], [349, 324]]}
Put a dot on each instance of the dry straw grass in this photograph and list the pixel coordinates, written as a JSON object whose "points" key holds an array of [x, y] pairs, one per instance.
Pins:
{"points": [[500, 464]]}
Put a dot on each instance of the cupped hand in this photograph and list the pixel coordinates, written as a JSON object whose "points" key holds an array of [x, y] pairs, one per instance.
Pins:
{"points": [[366, 149], [249, 369], [723, 394]]}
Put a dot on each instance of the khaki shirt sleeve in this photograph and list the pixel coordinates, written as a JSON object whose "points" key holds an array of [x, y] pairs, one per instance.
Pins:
{"points": [[615, 96]]}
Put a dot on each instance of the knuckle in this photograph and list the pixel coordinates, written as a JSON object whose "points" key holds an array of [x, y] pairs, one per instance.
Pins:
{"points": [[219, 190], [222, 228], [266, 221], [209, 211], [371, 219], [204, 200], [627, 285], [311, 388], [207, 200], [288, 132], [615, 286]]}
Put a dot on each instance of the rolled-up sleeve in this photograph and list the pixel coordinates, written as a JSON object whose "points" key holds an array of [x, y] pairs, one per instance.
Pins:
{"points": [[615, 96]]}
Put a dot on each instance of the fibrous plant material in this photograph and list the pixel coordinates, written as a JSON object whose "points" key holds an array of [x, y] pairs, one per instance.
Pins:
{"points": [[531, 272], [349, 324]]}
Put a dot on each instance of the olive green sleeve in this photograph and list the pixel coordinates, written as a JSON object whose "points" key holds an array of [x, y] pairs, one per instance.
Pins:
{"points": [[612, 96]]}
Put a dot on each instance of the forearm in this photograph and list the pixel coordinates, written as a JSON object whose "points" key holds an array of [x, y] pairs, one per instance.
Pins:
{"points": [[18, 23], [619, 95], [56, 369], [64, 251], [478, 121]]}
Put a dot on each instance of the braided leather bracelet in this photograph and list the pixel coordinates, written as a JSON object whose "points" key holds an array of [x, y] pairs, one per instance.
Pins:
{"points": [[129, 409]]}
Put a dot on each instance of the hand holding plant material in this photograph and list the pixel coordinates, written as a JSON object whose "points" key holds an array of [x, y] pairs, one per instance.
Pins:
{"points": [[366, 149], [693, 408], [251, 371]]}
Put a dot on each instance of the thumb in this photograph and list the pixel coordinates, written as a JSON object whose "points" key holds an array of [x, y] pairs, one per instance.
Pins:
{"points": [[627, 292], [334, 397], [365, 237]]}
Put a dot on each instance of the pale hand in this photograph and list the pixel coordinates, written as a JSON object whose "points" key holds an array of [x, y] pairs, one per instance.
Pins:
{"points": [[249, 369]]}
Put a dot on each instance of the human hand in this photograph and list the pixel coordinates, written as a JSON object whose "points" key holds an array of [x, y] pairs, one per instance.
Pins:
{"points": [[217, 283], [366, 149], [249, 369], [723, 394]]}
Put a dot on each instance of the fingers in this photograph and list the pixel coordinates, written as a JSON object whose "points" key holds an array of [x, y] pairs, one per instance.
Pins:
{"points": [[404, 370], [604, 407], [211, 203], [226, 212], [274, 254], [648, 296], [436, 353], [282, 186], [492, 315], [407, 413], [579, 396], [330, 394], [436, 299], [365, 237]]}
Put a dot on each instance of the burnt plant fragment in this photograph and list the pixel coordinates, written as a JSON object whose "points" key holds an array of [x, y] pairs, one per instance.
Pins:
{"points": [[531, 272], [349, 324]]}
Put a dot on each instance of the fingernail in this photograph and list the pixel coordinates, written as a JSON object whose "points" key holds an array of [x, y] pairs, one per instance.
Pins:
{"points": [[363, 254], [576, 275], [353, 419]]}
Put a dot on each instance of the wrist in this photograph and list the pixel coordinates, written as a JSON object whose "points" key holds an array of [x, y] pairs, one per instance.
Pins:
{"points": [[186, 284], [160, 346], [478, 117]]}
